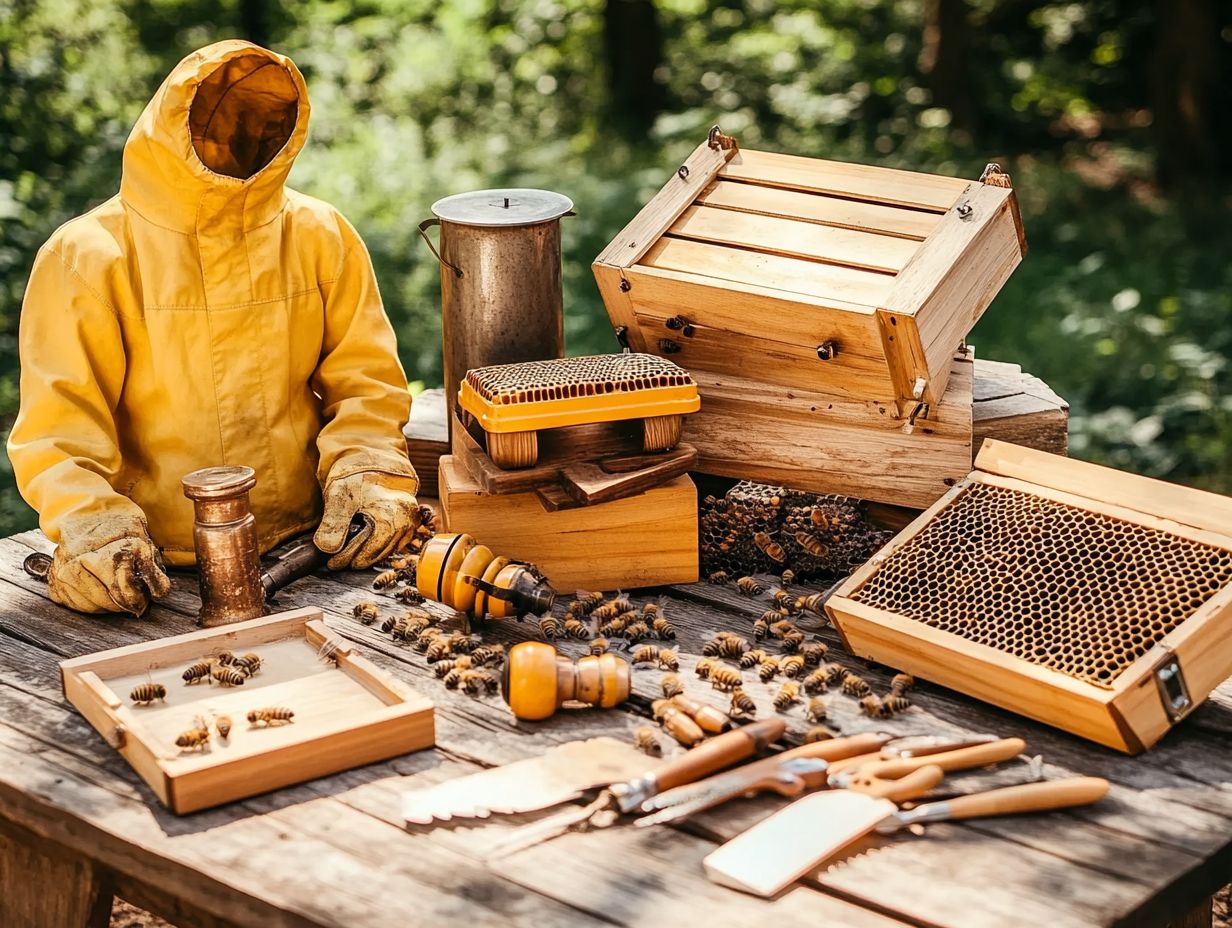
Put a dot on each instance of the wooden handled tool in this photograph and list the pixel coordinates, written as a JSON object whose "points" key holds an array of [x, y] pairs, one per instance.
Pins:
{"points": [[857, 771], [1011, 800]]}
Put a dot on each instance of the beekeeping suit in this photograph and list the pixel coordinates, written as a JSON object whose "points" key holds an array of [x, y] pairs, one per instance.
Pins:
{"points": [[207, 315]]}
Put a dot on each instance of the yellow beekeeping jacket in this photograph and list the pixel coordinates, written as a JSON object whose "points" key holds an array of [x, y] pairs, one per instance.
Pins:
{"points": [[205, 317]]}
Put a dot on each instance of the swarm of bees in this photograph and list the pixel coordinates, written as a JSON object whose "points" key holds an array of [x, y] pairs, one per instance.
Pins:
{"points": [[401, 567]]}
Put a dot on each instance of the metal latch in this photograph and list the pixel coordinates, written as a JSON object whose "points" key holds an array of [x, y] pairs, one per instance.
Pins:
{"points": [[1173, 693]]}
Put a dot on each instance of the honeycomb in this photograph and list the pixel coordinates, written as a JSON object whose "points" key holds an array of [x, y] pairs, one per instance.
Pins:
{"points": [[728, 526], [566, 378], [1072, 590]]}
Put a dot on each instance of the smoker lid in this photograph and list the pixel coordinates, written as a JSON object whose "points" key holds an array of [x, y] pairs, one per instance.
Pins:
{"points": [[503, 206]]}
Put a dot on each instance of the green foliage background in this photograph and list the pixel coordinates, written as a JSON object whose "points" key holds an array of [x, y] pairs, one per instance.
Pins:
{"points": [[1123, 304]]}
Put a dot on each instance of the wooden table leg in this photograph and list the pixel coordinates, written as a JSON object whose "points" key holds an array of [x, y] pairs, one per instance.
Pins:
{"points": [[1200, 917], [43, 885]]}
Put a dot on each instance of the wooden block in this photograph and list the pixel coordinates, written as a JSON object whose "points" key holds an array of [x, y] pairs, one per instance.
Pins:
{"points": [[1014, 406], [427, 437], [347, 712], [832, 444], [645, 540]]}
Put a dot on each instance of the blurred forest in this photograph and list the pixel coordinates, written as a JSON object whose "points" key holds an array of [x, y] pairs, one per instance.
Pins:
{"points": [[1111, 116]]}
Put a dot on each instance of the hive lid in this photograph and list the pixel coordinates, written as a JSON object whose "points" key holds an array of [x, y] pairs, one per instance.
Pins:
{"points": [[503, 206]]}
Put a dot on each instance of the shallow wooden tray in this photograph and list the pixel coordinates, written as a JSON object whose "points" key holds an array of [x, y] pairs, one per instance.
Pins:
{"points": [[348, 712]]}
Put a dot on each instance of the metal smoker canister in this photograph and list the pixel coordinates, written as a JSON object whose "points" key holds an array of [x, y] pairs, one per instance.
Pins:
{"points": [[501, 299]]}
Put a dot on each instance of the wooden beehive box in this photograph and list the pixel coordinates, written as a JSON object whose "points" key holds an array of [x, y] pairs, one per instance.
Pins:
{"points": [[823, 276], [1090, 599], [347, 712]]}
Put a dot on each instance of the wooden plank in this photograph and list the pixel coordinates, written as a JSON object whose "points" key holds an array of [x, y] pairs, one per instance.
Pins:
{"points": [[614, 289], [931, 192], [728, 193], [1186, 505], [427, 437], [784, 236], [791, 276], [44, 885]]}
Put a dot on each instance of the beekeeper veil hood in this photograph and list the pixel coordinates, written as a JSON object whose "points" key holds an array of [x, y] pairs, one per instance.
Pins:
{"points": [[220, 134]]}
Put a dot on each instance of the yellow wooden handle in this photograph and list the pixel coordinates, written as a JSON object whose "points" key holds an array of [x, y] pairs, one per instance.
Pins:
{"points": [[916, 783], [718, 753], [1031, 797], [968, 758]]}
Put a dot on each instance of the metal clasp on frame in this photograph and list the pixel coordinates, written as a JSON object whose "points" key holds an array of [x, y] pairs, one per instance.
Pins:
{"points": [[1170, 681]]}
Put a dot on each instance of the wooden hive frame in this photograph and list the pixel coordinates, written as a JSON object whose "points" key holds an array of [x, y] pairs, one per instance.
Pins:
{"points": [[1128, 707], [829, 277], [365, 714]]}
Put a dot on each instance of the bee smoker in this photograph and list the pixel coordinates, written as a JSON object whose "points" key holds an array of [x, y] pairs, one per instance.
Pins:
{"points": [[537, 680], [456, 570], [225, 539]]}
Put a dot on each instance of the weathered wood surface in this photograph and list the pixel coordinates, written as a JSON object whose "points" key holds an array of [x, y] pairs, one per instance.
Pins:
{"points": [[333, 852]]}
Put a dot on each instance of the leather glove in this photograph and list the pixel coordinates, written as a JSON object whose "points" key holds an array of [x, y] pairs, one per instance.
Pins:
{"points": [[107, 565], [387, 505]]}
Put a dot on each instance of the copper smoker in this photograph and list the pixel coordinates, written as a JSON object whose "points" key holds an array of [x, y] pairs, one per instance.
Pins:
{"points": [[225, 539]]}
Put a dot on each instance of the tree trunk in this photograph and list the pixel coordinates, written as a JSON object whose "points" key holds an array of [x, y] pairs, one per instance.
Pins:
{"points": [[945, 60], [633, 49]]}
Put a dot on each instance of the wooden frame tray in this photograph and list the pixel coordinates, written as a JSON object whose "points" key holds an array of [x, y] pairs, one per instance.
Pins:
{"points": [[1083, 597], [348, 712]]}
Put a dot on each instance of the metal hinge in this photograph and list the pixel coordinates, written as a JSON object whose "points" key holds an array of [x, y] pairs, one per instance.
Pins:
{"points": [[1170, 681]]}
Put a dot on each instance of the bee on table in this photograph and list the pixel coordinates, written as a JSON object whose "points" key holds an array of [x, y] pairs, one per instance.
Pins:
{"points": [[761, 629], [663, 629], [646, 654], [145, 693], [410, 596], [725, 678], [385, 579], [817, 733], [575, 628], [194, 739], [792, 641], [814, 603], [725, 645], [426, 638], [749, 587], [750, 659], [814, 652], [668, 660], [488, 655], [788, 694], [785, 602], [705, 667], [811, 544], [834, 673], [895, 703], [477, 682], [268, 716], [607, 611], [366, 612], [873, 707], [613, 628], [742, 705], [549, 628], [598, 646], [438, 649], [228, 676], [197, 672], [636, 632], [646, 741], [650, 609], [671, 686], [855, 685], [769, 547], [815, 682], [719, 577], [443, 668], [768, 669], [816, 711], [788, 578], [224, 657], [586, 603], [223, 725], [901, 683], [248, 664], [792, 665], [622, 603]]}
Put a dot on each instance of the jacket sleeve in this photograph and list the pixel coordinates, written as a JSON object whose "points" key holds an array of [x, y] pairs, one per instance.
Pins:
{"points": [[359, 379], [64, 445]]}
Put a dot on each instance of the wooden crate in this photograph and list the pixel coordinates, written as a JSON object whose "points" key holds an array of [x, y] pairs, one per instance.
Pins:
{"points": [[1017, 407], [751, 264], [427, 438], [1090, 599], [347, 711], [644, 540]]}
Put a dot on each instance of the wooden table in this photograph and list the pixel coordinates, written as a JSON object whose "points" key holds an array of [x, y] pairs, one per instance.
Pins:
{"points": [[76, 825]]}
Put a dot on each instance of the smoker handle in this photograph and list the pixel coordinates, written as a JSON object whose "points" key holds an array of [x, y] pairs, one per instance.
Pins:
{"points": [[423, 232]]}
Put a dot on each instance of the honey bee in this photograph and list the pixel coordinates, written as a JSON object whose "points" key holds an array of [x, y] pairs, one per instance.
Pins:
{"points": [[813, 652], [388, 625], [895, 703], [855, 685], [668, 660], [663, 629], [792, 665], [811, 544], [792, 641], [788, 578], [782, 627], [224, 657], [613, 628], [873, 707], [426, 638], [443, 668], [414, 625], [671, 686], [769, 547], [814, 603], [409, 595], [228, 676], [385, 579], [788, 695], [576, 629], [586, 603], [651, 609], [817, 733], [462, 643], [223, 725], [785, 602], [819, 520], [637, 631], [901, 683], [366, 612], [725, 678], [487, 655], [425, 517], [742, 704], [195, 739], [768, 669], [815, 682], [621, 603], [705, 667], [598, 646], [646, 654], [477, 682], [816, 711], [197, 672], [834, 673], [249, 664], [750, 659], [145, 693], [725, 645], [761, 629], [719, 577], [454, 676], [749, 587], [270, 715], [438, 649], [549, 628], [606, 611], [646, 741]]}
